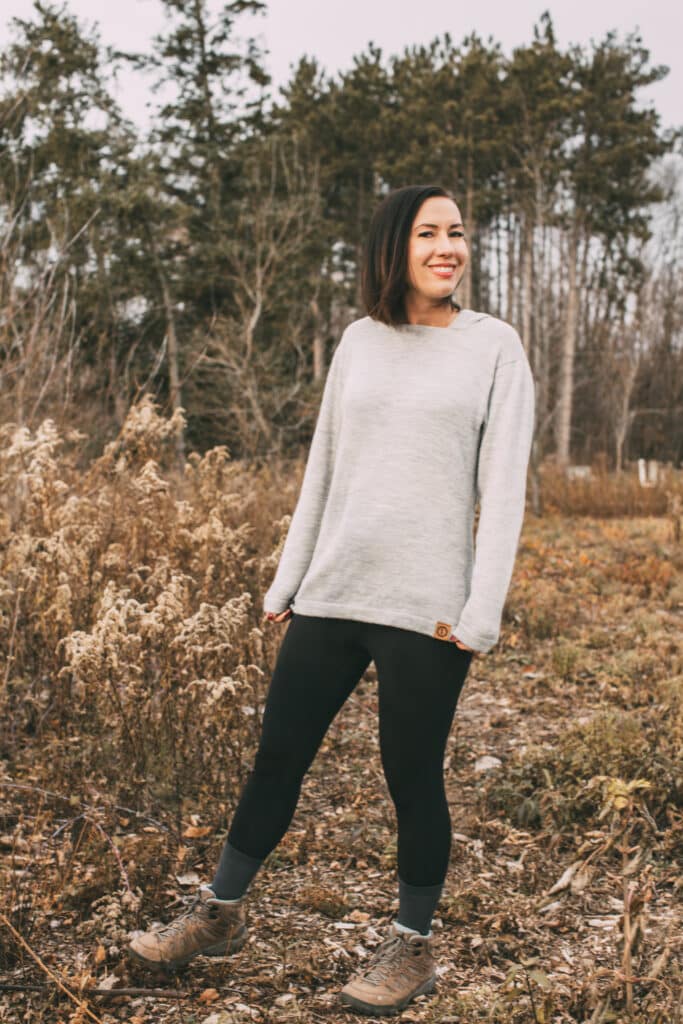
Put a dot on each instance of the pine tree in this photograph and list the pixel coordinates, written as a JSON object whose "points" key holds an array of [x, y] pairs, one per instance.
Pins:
{"points": [[62, 144], [609, 151]]}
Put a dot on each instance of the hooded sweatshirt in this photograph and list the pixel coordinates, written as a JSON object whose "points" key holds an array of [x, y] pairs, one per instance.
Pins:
{"points": [[416, 425]]}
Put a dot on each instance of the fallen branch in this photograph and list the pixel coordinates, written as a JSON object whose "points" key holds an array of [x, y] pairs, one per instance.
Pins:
{"points": [[53, 977], [50, 795], [155, 993], [21, 988], [106, 993], [107, 838]]}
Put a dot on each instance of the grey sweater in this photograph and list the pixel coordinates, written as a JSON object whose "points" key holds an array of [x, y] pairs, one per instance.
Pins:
{"points": [[415, 425]]}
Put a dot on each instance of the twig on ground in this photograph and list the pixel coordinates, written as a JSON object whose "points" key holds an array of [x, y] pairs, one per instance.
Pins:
{"points": [[155, 993], [50, 795], [51, 975], [21, 988], [106, 993], [107, 838]]}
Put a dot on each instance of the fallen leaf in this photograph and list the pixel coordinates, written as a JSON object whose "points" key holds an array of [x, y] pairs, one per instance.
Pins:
{"points": [[109, 983], [191, 878], [197, 831], [581, 879], [564, 881], [209, 995], [551, 907]]}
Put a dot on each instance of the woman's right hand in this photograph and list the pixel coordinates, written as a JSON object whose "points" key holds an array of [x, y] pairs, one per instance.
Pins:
{"points": [[280, 617]]}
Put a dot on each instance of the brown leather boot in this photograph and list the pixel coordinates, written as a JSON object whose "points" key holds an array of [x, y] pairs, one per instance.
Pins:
{"points": [[401, 968], [210, 926]]}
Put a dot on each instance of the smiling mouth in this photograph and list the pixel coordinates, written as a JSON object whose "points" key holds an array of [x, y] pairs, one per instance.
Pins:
{"points": [[443, 269]]}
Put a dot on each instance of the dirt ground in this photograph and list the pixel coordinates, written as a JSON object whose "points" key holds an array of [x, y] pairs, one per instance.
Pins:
{"points": [[565, 874]]}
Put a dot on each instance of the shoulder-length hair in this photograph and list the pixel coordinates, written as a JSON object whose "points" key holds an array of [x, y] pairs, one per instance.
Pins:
{"points": [[385, 257]]}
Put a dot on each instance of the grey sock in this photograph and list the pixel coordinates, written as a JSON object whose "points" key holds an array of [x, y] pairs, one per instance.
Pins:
{"points": [[416, 905], [234, 873]]}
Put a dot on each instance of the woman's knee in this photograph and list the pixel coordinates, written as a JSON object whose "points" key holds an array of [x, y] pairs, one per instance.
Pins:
{"points": [[423, 786], [279, 765]]}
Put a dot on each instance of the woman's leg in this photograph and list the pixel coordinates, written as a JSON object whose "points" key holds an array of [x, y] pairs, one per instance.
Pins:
{"points": [[319, 663], [420, 680]]}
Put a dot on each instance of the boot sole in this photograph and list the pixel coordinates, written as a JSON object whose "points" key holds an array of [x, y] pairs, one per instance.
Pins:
{"points": [[376, 1010], [168, 966]]}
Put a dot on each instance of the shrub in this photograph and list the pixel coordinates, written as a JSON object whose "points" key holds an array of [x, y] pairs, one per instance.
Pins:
{"points": [[127, 609]]}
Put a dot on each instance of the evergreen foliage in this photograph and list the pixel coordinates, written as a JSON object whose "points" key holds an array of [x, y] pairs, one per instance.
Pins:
{"points": [[213, 261]]}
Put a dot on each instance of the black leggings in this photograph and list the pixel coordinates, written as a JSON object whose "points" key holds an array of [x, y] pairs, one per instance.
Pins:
{"points": [[319, 664]]}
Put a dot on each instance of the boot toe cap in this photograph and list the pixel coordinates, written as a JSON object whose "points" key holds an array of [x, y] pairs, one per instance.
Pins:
{"points": [[146, 947], [359, 991]]}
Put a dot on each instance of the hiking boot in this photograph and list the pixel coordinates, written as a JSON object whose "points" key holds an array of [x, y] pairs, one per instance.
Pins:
{"points": [[401, 968], [209, 926]]}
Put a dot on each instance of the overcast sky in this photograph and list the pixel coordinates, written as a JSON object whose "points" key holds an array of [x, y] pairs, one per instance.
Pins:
{"points": [[334, 30]]}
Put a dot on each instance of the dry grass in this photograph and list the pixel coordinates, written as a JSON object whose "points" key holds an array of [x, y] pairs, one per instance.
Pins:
{"points": [[134, 669], [606, 494]]}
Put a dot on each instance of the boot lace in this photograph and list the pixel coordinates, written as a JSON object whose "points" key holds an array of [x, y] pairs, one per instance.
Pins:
{"points": [[393, 952], [196, 909]]}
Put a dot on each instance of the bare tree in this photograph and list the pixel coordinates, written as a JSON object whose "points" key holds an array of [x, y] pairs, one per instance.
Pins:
{"points": [[38, 337], [272, 229]]}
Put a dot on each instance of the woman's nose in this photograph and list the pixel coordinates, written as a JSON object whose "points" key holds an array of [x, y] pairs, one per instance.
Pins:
{"points": [[446, 246]]}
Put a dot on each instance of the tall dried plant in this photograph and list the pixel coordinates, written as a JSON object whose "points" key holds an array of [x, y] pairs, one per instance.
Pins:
{"points": [[127, 610]]}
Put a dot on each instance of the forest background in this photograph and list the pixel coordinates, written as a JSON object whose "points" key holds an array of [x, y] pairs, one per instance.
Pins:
{"points": [[212, 260], [169, 303]]}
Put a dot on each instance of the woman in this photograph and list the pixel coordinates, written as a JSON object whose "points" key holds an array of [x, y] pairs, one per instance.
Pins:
{"points": [[427, 408]]}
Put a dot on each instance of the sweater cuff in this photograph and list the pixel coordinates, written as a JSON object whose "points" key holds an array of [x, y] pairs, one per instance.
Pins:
{"points": [[275, 602], [481, 643]]}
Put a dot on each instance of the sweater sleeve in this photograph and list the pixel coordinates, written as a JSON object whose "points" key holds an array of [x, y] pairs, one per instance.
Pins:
{"points": [[303, 530], [502, 464]]}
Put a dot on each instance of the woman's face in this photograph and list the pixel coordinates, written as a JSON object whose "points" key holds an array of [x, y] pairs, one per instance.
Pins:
{"points": [[437, 250]]}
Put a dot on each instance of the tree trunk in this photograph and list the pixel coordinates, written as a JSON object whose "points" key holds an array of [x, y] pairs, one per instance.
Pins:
{"points": [[527, 272], [469, 222], [499, 270], [171, 343], [209, 117], [544, 296], [318, 345], [173, 371], [511, 266], [621, 430], [566, 382], [360, 232], [625, 377]]}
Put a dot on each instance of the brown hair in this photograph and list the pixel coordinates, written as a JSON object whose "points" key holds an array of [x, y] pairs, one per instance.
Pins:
{"points": [[385, 257]]}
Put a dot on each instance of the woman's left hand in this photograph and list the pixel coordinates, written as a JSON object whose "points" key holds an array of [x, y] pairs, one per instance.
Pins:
{"points": [[458, 643]]}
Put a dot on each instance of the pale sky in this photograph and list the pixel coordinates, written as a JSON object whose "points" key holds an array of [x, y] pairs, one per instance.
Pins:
{"points": [[334, 30]]}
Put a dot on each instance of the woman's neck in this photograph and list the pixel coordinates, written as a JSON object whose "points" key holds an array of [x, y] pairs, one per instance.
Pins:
{"points": [[430, 314]]}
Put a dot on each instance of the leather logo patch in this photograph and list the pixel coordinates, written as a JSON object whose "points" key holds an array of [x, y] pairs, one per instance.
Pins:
{"points": [[442, 631]]}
